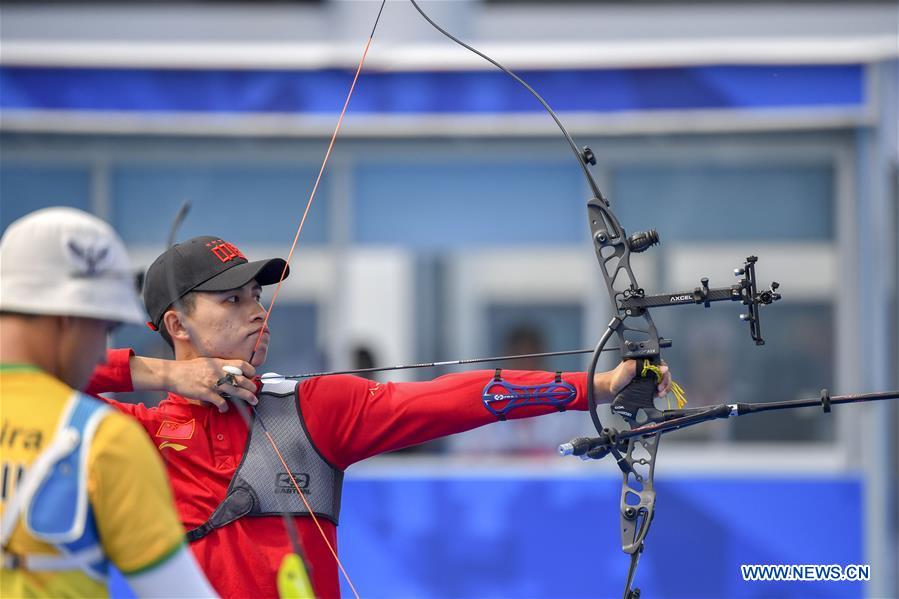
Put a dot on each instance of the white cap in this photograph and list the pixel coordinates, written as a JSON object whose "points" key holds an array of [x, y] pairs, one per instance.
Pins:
{"points": [[65, 262]]}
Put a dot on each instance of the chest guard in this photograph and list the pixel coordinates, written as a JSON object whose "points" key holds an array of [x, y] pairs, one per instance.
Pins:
{"points": [[260, 486], [53, 502]]}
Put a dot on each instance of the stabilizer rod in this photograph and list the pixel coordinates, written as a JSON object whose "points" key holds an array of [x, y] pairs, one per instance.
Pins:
{"points": [[677, 419]]}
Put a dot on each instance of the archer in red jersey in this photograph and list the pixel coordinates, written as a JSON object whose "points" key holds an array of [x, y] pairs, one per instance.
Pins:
{"points": [[203, 297]]}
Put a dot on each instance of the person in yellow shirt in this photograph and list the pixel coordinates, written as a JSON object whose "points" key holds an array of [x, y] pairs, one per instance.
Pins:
{"points": [[83, 489]]}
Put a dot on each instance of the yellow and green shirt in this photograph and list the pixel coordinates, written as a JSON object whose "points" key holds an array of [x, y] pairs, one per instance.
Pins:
{"points": [[127, 486]]}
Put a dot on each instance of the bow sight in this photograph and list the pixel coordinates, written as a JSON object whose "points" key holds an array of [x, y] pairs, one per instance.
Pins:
{"points": [[745, 292]]}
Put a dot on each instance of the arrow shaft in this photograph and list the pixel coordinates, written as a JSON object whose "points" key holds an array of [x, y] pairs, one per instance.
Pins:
{"points": [[438, 364]]}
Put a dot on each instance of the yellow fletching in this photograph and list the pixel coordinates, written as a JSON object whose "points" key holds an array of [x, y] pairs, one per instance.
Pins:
{"points": [[293, 580]]}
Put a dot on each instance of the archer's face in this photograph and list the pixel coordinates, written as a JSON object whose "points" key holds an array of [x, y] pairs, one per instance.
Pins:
{"points": [[226, 324]]}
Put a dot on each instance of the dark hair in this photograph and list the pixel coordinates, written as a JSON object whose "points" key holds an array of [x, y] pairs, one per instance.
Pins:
{"points": [[186, 304]]}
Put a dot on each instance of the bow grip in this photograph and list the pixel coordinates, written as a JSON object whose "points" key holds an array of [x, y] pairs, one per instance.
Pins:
{"points": [[639, 393]]}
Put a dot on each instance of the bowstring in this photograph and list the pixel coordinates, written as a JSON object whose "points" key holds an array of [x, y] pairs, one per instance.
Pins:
{"points": [[318, 179], [284, 271]]}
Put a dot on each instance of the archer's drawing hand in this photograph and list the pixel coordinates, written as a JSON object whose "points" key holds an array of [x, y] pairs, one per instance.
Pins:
{"points": [[195, 379]]}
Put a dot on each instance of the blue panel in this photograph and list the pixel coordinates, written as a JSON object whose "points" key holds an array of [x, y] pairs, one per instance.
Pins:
{"points": [[724, 203], [548, 538], [323, 91], [25, 188], [242, 204], [468, 204], [118, 586]]}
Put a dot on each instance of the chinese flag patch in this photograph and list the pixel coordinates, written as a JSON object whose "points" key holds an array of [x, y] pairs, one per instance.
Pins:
{"points": [[176, 430]]}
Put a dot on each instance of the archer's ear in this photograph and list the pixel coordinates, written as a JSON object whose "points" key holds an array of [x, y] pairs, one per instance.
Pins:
{"points": [[174, 325]]}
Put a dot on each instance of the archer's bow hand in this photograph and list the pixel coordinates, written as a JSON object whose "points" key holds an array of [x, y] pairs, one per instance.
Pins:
{"points": [[197, 379], [609, 384]]}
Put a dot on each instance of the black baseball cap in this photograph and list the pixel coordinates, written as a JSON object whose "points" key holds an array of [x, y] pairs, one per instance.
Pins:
{"points": [[202, 264]]}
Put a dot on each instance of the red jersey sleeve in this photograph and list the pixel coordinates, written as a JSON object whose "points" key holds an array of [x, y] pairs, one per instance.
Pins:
{"points": [[351, 418], [114, 375]]}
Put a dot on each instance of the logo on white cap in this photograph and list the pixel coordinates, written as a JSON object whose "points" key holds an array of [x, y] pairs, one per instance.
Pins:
{"points": [[87, 257]]}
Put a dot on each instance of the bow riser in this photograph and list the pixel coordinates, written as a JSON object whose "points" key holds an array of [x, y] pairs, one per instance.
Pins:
{"points": [[613, 252]]}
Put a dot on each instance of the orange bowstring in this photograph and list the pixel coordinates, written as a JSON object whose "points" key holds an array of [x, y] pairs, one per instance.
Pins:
{"points": [[317, 181], [271, 306]]}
